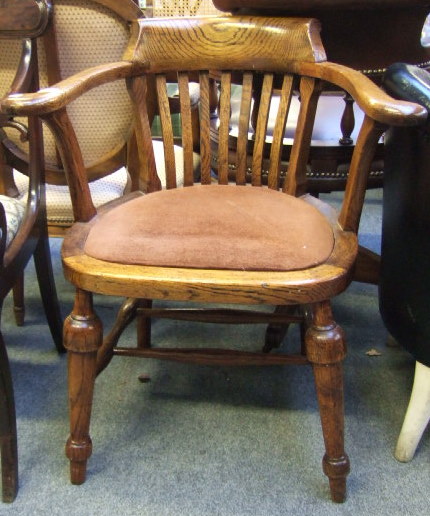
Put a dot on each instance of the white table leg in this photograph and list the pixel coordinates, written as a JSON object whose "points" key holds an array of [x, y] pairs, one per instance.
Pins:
{"points": [[417, 415]]}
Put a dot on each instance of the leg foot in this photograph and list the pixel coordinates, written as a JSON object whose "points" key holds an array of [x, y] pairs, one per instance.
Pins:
{"points": [[337, 470], [417, 415], [9, 461], [8, 439], [78, 453]]}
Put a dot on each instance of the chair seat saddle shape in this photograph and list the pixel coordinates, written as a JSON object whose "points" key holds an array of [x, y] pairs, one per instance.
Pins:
{"points": [[259, 229], [240, 243]]}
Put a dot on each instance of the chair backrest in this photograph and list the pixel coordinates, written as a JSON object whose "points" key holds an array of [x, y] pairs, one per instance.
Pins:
{"points": [[258, 49], [81, 34]]}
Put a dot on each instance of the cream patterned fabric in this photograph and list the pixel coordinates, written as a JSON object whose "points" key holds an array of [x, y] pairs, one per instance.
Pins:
{"points": [[14, 210], [101, 118], [58, 204]]}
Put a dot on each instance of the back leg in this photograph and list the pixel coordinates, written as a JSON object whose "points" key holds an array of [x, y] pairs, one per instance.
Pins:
{"points": [[48, 291], [18, 300]]}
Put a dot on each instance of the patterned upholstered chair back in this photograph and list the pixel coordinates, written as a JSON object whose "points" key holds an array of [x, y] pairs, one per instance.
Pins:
{"points": [[83, 34]]}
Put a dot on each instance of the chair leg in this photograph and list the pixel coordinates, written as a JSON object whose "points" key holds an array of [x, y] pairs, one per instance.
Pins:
{"points": [[275, 333], [144, 325], [325, 349], [8, 439], [83, 335], [18, 300], [48, 291], [417, 415]]}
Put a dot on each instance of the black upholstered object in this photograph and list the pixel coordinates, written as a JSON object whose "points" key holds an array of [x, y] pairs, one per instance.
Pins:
{"points": [[405, 267]]}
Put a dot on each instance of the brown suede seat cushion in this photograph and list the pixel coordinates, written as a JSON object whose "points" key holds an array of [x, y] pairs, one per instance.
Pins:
{"points": [[214, 227]]}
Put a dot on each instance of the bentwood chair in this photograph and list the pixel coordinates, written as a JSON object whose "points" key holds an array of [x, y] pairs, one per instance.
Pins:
{"points": [[206, 242], [405, 279], [23, 222]]}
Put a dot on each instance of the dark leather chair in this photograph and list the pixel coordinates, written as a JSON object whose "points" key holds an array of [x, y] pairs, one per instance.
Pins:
{"points": [[405, 272]]}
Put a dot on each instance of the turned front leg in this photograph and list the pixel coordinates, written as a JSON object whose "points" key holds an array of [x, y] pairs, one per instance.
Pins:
{"points": [[82, 338], [325, 349]]}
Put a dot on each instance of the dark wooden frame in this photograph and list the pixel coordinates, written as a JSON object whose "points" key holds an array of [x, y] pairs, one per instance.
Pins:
{"points": [[31, 238]]}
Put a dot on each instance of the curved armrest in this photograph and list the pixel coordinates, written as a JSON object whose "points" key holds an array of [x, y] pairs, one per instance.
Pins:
{"points": [[375, 103], [58, 96], [408, 82]]}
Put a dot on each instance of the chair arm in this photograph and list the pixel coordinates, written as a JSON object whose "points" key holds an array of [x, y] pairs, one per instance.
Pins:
{"points": [[56, 97], [375, 103], [408, 82]]}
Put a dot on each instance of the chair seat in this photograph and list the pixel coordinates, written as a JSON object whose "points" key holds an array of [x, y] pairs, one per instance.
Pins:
{"points": [[14, 210], [213, 227]]}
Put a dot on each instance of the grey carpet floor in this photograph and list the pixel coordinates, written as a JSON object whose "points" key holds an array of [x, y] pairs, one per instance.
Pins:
{"points": [[199, 441]]}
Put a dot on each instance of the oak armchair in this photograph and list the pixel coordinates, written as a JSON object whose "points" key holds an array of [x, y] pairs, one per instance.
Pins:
{"points": [[209, 243]]}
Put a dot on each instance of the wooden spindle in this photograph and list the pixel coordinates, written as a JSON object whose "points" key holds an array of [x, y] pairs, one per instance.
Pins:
{"points": [[166, 130], [224, 121], [205, 110], [261, 129], [186, 125], [279, 130]]}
